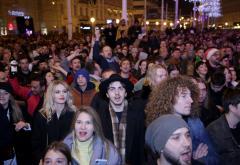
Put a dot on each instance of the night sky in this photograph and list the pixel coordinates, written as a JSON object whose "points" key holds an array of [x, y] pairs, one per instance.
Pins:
{"points": [[185, 7]]}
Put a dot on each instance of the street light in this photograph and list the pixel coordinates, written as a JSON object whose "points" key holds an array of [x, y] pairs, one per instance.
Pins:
{"points": [[92, 20], [157, 23], [117, 21]]}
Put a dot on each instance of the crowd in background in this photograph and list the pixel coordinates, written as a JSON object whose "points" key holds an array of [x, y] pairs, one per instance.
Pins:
{"points": [[115, 82]]}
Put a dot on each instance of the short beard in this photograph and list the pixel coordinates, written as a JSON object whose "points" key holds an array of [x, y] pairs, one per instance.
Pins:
{"points": [[171, 159]]}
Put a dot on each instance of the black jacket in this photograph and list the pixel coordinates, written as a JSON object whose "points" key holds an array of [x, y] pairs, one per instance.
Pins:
{"points": [[44, 133], [224, 141], [6, 134], [134, 131]]}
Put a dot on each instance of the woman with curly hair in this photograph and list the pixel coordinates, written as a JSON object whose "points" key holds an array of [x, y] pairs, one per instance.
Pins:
{"points": [[179, 95], [53, 121]]}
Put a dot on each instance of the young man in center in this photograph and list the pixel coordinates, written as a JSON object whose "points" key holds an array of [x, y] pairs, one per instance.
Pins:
{"points": [[122, 120]]}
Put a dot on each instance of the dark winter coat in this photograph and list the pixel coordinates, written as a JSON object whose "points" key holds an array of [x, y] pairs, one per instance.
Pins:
{"points": [[45, 132]]}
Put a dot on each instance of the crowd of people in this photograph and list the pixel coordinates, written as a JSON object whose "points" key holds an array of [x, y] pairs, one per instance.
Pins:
{"points": [[123, 95]]}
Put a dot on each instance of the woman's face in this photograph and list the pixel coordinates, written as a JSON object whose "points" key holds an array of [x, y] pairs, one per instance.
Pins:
{"points": [[202, 69], [84, 127], [143, 66], [4, 97], [160, 75], [49, 77], [60, 94], [55, 158]]}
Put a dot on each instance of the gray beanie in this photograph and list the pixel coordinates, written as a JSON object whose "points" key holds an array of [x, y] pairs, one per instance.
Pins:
{"points": [[159, 131]]}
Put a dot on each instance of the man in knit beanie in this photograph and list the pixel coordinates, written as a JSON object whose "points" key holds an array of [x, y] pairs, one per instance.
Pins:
{"points": [[169, 137]]}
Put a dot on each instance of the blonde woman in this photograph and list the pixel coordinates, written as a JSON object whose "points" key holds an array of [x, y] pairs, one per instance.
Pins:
{"points": [[53, 121], [87, 142]]}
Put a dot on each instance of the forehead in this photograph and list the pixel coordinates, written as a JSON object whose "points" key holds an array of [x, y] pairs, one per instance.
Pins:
{"points": [[84, 116], [125, 62], [35, 83], [60, 87], [180, 131], [106, 48], [49, 74], [116, 84], [23, 60], [183, 90], [53, 153], [75, 60], [160, 71], [2, 90]]}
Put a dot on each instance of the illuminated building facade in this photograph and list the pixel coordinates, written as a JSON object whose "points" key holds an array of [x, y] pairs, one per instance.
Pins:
{"points": [[48, 15]]}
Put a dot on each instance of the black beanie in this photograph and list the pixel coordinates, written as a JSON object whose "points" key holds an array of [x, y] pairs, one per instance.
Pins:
{"points": [[6, 86]]}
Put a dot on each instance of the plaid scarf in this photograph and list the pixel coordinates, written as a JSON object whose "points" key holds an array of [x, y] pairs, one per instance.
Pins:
{"points": [[119, 129]]}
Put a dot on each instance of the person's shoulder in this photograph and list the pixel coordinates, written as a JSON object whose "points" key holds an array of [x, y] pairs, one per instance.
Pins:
{"points": [[216, 124], [68, 140]]}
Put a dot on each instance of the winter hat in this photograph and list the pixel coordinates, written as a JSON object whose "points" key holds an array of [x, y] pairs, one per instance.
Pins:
{"points": [[82, 72], [210, 52], [6, 86], [159, 131], [103, 87]]}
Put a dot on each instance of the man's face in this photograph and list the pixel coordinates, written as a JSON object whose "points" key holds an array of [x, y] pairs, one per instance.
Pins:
{"points": [[200, 53], [183, 102], [76, 64], [107, 52], [229, 52], [81, 81], [176, 54], [235, 109], [116, 93], [45, 50], [125, 50], [178, 149], [24, 64], [43, 66], [36, 87], [125, 66], [202, 91], [215, 58]]}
